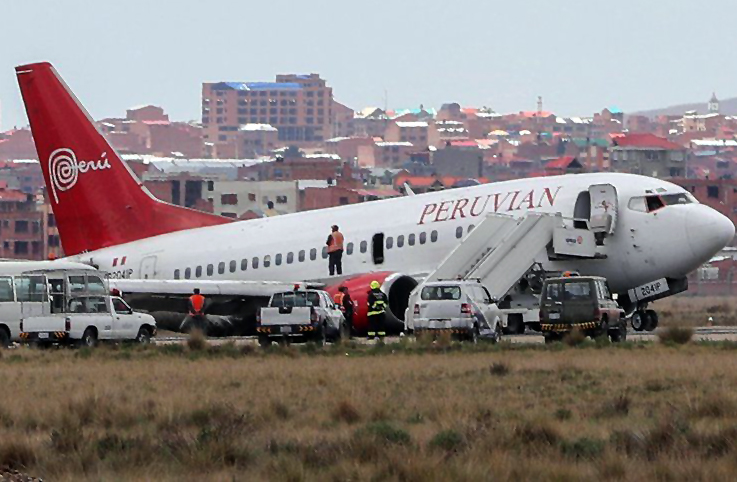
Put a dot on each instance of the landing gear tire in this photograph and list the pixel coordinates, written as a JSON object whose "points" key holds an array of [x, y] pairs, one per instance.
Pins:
{"points": [[652, 318], [551, 338], [639, 320], [264, 341]]}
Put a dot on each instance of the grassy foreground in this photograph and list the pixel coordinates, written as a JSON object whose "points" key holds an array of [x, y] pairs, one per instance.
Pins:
{"points": [[694, 311], [632, 412]]}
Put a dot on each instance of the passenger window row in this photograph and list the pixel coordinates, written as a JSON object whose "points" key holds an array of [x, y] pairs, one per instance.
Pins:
{"points": [[411, 239], [279, 259]]}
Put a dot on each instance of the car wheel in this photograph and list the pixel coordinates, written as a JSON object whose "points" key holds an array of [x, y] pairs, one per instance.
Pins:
{"points": [[652, 316], [551, 338], [4, 338], [89, 338], [497, 336], [143, 337], [473, 337], [620, 334], [322, 336], [264, 341], [638, 320]]}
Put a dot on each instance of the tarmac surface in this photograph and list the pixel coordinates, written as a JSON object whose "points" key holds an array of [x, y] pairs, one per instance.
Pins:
{"points": [[712, 333]]}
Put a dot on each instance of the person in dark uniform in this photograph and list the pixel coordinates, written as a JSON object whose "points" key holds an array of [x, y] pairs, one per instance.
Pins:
{"points": [[377, 301], [345, 304]]}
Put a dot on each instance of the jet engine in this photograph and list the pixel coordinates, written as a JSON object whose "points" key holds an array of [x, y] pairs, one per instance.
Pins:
{"points": [[397, 287]]}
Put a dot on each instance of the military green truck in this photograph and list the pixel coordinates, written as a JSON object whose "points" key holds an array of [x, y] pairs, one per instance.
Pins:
{"points": [[581, 303]]}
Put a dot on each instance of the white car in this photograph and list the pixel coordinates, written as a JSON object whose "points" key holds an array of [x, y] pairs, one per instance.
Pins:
{"points": [[462, 308]]}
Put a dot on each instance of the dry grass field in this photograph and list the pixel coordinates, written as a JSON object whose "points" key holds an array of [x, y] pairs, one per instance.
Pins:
{"points": [[695, 311], [396, 412]]}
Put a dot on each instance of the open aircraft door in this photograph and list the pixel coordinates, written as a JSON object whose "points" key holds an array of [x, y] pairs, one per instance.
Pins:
{"points": [[603, 217]]}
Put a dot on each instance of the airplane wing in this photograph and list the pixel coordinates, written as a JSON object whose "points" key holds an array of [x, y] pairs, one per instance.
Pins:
{"points": [[207, 287]]}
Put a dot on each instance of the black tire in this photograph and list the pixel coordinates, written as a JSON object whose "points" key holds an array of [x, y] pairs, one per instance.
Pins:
{"points": [[264, 341], [89, 338], [321, 337], [144, 336], [473, 337], [4, 338], [619, 335], [497, 336], [638, 320], [551, 338], [653, 320]]}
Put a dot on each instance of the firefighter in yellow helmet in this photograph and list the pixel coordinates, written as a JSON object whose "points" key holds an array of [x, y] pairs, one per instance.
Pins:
{"points": [[377, 302]]}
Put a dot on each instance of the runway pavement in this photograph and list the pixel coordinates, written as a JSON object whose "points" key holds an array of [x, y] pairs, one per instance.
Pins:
{"points": [[713, 333]]}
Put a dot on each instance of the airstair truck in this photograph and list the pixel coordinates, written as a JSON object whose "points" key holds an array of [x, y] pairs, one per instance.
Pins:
{"points": [[76, 308], [504, 254]]}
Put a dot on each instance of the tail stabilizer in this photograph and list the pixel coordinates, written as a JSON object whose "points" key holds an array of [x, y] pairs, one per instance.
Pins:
{"points": [[96, 198]]}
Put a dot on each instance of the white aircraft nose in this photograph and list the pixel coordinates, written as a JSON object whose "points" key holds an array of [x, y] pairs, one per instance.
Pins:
{"points": [[708, 232]]}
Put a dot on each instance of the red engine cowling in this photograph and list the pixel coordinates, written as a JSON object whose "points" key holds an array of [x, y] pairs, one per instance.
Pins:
{"points": [[397, 287]]}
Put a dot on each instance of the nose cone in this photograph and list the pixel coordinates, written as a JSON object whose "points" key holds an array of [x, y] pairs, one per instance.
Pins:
{"points": [[708, 232]]}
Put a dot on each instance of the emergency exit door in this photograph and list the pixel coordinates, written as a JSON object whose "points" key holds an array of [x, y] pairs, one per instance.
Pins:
{"points": [[603, 208], [148, 267], [377, 248]]}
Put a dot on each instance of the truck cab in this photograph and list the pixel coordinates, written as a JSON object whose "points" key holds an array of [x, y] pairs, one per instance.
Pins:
{"points": [[582, 303]]}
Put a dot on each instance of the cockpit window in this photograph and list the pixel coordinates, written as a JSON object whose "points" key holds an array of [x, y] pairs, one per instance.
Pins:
{"points": [[654, 203], [680, 198], [648, 204]]}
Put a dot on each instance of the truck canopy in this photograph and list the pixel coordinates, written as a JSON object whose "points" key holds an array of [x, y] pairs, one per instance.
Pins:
{"points": [[292, 299]]}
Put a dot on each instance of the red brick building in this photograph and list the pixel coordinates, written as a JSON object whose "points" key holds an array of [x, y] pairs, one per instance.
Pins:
{"points": [[299, 106], [17, 144], [719, 194], [27, 227]]}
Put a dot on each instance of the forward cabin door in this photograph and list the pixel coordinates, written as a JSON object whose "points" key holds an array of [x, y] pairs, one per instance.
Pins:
{"points": [[148, 267], [603, 208]]}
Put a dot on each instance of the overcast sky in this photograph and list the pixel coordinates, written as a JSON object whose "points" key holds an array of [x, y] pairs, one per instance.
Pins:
{"points": [[580, 55]]}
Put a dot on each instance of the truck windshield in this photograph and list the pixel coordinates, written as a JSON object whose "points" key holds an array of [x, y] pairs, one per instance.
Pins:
{"points": [[296, 298], [441, 293], [577, 290]]}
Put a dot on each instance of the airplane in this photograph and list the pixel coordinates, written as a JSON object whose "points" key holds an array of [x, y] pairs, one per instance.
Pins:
{"points": [[107, 218]]}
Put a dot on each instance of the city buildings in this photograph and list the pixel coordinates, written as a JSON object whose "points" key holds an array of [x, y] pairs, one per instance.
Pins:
{"points": [[300, 107], [273, 148]]}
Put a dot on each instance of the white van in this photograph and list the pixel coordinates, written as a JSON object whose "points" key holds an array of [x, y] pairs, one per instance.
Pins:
{"points": [[76, 308], [25, 293]]}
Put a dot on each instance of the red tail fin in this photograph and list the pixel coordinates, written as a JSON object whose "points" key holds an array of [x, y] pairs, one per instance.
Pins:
{"points": [[96, 198]]}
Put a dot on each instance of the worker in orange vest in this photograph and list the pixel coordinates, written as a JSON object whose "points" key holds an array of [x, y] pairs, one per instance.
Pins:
{"points": [[196, 318], [335, 251]]}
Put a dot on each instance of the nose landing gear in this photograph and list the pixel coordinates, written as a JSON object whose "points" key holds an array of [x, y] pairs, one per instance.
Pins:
{"points": [[644, 320]]}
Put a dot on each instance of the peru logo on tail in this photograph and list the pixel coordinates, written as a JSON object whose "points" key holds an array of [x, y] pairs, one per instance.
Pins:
{"points": [[64, 169]]}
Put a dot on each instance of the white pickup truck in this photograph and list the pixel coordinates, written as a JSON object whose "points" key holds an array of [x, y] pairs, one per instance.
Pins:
{"points": [[77, 309], [301, 314]]}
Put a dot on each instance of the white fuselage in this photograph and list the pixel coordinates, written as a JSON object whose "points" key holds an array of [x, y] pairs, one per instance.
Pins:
{"points": [[645, 246]]}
